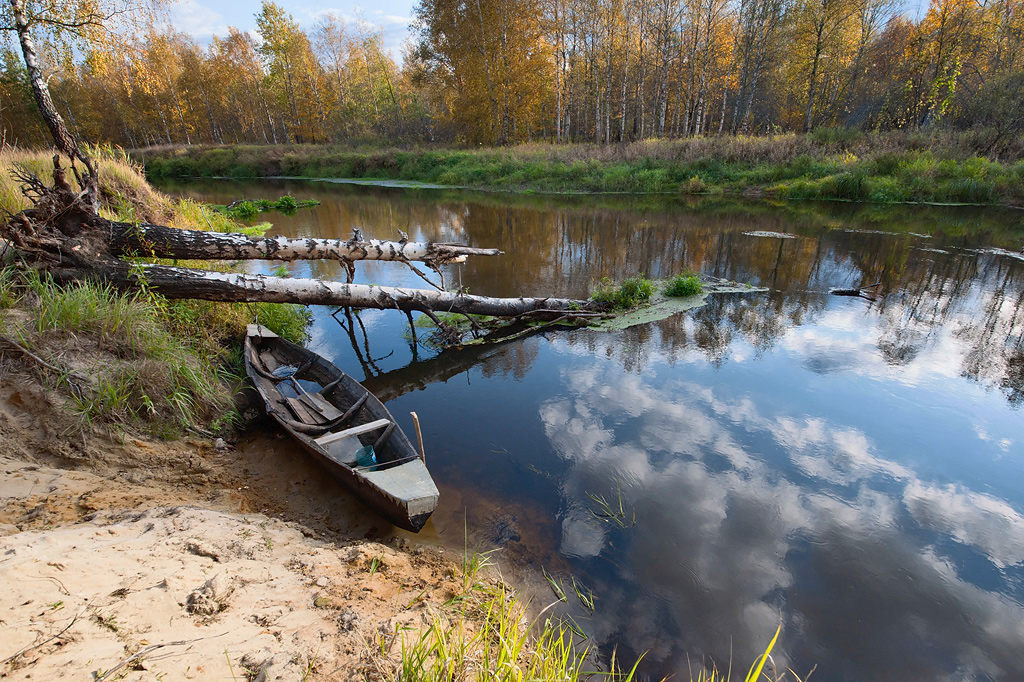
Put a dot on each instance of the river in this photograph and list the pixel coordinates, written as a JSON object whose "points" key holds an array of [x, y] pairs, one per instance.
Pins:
{"points": [[850, 468]]}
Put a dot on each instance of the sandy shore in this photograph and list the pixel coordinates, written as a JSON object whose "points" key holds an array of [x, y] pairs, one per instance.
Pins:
{"points": [[201, 594], [183, 561]]}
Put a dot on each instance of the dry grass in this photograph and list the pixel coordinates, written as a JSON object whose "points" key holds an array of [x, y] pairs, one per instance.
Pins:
{"points": [[125, 194]]}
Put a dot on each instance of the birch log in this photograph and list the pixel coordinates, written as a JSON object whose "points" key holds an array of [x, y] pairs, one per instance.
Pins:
{"points": [[170, 242], [175, 282]]}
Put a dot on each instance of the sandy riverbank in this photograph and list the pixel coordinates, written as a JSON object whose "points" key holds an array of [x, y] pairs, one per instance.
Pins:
{"points": [[230, 561]]}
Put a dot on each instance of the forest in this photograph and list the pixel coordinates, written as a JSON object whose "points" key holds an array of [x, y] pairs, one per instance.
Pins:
{"points": [[498, 72]]}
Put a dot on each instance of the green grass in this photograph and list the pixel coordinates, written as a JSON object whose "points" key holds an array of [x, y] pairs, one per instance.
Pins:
{"points": [[153, 363], [486, 635], [686, 284], [158, 364], [629, 293], [942, 166], [8, 287]]}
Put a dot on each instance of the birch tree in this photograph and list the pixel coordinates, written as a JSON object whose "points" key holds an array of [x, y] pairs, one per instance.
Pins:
{"points": [[71, 23]]}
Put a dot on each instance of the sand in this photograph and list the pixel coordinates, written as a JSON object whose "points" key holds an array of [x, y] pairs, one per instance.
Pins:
{"points": [[178, 560]]}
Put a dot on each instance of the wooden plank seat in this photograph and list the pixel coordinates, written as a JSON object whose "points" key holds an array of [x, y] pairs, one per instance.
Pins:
{"points": [[353, 431]]}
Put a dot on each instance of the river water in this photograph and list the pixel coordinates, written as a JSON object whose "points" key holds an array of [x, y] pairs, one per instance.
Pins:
{"points": [[852, 469]]}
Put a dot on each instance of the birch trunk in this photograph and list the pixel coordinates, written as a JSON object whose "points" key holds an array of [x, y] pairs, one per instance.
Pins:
{"points": [[62, 137], [173, 282], [170, 242]]}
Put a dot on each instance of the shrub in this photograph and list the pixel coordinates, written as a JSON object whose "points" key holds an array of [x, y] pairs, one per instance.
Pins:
{"points": [[884, 190], [693, 186]]}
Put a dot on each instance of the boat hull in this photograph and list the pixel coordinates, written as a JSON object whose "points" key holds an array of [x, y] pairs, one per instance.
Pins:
{"points": [[399, 488]]}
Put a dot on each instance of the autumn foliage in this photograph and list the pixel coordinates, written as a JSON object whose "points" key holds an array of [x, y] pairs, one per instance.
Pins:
{"points": [[510, 71]]}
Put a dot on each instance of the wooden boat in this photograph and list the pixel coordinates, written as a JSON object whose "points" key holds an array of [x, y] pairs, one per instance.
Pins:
{"points": [[335, 418]]}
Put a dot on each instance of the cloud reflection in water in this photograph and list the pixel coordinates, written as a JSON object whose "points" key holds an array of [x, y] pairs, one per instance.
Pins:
{"points": [[745, 516]]}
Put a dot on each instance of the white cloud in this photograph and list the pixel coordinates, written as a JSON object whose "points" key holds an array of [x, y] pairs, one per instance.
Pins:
{"points": [[975, 519], [197, 20]]}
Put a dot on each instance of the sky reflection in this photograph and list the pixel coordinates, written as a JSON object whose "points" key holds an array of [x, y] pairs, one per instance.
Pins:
{"points": [[754, 504]]}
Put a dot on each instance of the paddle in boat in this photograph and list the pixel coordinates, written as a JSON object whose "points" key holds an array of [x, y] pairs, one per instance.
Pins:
{"points": [[344, 426]]}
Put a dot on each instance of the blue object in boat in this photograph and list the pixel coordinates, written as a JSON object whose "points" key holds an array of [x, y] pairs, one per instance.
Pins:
{"points": [[366, 457]]}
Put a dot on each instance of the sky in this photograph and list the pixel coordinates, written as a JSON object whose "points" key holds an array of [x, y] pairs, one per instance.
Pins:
{"points": [[204, 19]]}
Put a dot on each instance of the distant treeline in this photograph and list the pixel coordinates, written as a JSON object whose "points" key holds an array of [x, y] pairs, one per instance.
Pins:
{"points": [[507, 71]]}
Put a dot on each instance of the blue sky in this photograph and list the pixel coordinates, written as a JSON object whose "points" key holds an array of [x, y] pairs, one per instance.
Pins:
{"points": [[204, 19]]}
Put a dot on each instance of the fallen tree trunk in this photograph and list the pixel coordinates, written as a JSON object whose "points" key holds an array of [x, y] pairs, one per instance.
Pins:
{"points": [[81, 245], [169, 242], [175, 282]]}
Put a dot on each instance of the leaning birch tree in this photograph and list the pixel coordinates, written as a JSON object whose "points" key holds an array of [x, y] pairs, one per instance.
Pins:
{"points": [[68, 24]]}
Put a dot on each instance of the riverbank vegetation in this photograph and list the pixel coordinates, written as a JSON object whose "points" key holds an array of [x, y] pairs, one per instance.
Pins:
{"points": [[138, 360], [878, 167]]}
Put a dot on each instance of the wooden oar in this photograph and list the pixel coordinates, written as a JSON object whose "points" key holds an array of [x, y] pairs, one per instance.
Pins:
{"points": [[419, 436]]}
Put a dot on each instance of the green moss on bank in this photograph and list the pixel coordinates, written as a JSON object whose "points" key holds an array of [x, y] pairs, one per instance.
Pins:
{"points": [[875, 167]]}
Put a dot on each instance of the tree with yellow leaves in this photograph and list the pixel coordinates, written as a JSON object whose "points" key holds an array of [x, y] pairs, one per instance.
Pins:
{"points": [[69, 23], [491, 62]]}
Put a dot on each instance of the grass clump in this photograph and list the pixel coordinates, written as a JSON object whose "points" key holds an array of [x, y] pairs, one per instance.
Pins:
{"points": [[685, 284], [135, 359], [8, 288], [630, 293], [140, 370], [485, 634]]}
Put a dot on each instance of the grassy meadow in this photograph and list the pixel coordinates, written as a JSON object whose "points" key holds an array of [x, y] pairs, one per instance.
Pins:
{"points": [[893, 167]]}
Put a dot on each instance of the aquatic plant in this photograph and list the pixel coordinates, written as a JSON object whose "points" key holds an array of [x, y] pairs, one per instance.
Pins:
{"points": [[685, 284], [629, 293], [246, 210], [612, 511]]}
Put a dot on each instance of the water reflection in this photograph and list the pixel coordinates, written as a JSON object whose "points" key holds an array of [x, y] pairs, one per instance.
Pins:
{"points": [[854, 468], [746, 513]]}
